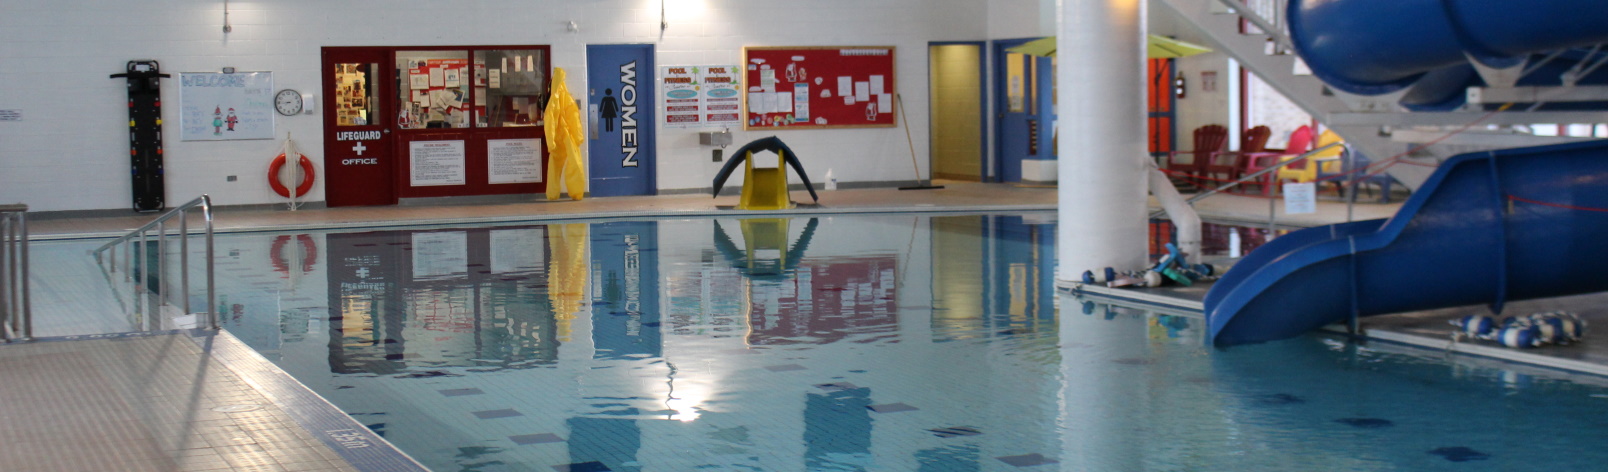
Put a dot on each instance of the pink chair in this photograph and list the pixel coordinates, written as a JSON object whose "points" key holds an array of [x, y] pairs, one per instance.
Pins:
{"points": [[1300, 143]]}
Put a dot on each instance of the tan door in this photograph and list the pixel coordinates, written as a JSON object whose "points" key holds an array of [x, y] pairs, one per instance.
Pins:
{"points": [[956, 101]]}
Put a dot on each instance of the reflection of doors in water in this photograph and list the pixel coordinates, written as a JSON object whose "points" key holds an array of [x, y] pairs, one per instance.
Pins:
{"points": [[956, 101], [621, 109], [625, 289], [1024, 108], [358, 164]]}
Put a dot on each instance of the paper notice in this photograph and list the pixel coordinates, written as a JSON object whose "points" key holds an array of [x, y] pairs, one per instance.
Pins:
{"points": [[885, 103], [862, 92], [438, 77], [783, 101], [876, 85], [801, 101], [845, 86], [494, 78], [1300, 197], [767, 80], [756, 102]]}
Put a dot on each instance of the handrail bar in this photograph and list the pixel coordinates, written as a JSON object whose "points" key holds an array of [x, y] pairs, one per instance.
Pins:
{"points": [[204, 202], [16, 309], [1254, 175]]}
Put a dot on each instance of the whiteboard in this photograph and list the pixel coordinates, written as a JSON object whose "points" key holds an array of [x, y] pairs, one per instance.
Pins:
{"points": [[215, 106]]}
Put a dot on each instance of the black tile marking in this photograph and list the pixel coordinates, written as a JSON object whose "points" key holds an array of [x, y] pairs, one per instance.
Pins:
{"points": [[1460, 454], [494, 414], [784, 367], [892, 408], [954, 431], [836, 386], [540, 438], [1370, 423], [593, 466], [1278, 399], [458, 392], [1026, 460]]}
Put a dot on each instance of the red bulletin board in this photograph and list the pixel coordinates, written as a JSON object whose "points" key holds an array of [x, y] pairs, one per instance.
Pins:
{"points": [[804, 87]]}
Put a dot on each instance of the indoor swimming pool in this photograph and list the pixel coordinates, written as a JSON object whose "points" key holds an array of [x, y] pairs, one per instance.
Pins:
{"points": [[892, 342]]}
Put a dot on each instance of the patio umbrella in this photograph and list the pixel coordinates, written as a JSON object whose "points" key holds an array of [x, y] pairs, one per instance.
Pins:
{"points": [[1159, 47]]}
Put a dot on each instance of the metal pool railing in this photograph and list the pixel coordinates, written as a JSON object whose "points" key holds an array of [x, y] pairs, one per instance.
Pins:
{"points": [[16, 314], [137, 243]]}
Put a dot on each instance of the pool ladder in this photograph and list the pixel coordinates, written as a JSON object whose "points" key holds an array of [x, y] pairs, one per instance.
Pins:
{"points": [[136, 261], [16, 318]]}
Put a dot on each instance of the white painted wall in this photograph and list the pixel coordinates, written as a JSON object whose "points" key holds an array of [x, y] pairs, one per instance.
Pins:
{"points": [[70, 151]]}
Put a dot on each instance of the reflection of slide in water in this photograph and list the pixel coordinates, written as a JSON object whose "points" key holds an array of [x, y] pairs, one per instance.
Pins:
{"points": [[1381, 46], [1487, 227]]}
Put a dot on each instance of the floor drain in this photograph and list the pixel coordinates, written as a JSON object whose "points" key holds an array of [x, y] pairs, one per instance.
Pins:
{"points": [[242, 408]]}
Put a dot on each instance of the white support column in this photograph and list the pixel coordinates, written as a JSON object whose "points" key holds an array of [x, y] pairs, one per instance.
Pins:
{"points": [[1101, 106]]}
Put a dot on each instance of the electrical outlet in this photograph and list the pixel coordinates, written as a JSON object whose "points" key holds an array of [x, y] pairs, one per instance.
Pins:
{"points": [[716, 157], [231, 178]]}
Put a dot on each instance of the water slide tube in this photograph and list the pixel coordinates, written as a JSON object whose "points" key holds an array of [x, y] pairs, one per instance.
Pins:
{"points": [[1486, 228], [1373, 47]]}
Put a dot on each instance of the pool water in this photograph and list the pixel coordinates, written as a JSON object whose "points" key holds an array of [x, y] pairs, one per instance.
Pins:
{"points": [[852, 343]]}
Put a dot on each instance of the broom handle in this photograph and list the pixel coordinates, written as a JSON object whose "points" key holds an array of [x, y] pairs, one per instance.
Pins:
{"points": [[912, 142]]}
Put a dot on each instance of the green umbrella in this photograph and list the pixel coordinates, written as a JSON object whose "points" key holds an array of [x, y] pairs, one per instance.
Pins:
{"points": [[1159, 47]]}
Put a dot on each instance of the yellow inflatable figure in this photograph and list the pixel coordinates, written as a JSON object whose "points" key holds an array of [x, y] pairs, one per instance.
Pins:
{"points": [[567, 273], [564, 138]]}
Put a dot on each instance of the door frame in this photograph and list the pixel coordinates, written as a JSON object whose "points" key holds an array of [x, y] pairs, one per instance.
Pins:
{"points": [[647, 90], [383, 187], [982, 111], [1000, 103]]}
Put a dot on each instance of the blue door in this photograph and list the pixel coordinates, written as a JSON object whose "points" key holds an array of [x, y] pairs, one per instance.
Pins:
{"points": [[621, 113], [1024, 106]]}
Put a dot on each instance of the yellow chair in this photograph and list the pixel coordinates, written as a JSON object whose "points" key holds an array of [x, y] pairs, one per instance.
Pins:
{"points": [[1329, 159], [765, 188], [1300, 143]]}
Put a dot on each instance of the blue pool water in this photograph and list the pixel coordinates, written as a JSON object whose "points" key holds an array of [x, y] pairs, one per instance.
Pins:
{"points": [[874, 343]]}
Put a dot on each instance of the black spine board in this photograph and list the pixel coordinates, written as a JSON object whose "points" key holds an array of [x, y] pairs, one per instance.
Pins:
{"points": [[145, 133]]}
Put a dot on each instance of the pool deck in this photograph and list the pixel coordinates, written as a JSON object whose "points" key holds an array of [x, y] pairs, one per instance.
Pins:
{"points": [[195, 401]]}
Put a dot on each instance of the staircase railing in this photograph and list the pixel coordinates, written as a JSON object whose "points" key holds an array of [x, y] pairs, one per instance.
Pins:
{"points": [[142, 268], [16, 312]]}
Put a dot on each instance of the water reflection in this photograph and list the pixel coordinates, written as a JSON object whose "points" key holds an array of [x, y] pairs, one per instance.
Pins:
{"points": [[890, 342], [442, 298]]}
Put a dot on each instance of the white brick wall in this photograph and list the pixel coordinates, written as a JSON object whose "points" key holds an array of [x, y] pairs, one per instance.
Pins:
{"points": [[70, 151]]}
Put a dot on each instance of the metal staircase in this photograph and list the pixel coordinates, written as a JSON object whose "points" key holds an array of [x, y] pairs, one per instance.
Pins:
{"points": [[1376, 125]]}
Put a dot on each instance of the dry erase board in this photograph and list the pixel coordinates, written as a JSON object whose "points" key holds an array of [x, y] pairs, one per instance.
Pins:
{"points": [[819, 87], [219, 107]]}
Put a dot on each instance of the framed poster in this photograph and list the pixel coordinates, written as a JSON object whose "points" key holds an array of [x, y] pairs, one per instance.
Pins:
{"points": [[215, 106], [818, 87]]}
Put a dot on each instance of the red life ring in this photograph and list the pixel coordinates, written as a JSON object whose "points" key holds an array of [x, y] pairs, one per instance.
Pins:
{"points": [[279, 187], [304, 244]]}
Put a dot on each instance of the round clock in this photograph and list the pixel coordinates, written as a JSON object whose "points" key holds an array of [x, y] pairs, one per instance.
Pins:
{"points": [[288, 102]]}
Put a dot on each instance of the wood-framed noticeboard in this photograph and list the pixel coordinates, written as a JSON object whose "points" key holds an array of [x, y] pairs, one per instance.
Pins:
{"points": [[813, 87]]}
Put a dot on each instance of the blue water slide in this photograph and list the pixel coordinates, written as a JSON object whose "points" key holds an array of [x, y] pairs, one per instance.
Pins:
{"points": [[1373, 47], [1485, 228]]}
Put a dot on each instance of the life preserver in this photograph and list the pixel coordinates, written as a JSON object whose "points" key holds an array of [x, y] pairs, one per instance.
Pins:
{"points": [[279, 187], [304, 244]]}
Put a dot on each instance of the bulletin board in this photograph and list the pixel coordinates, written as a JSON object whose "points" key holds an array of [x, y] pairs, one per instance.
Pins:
{"points": [[218, 107], [817, 87]]}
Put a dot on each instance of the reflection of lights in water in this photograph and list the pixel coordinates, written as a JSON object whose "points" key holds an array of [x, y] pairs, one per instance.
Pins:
{"points": [[683, 403]]}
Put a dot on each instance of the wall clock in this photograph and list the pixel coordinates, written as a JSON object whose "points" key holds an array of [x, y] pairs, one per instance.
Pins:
{"points": [[288, 102]]}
